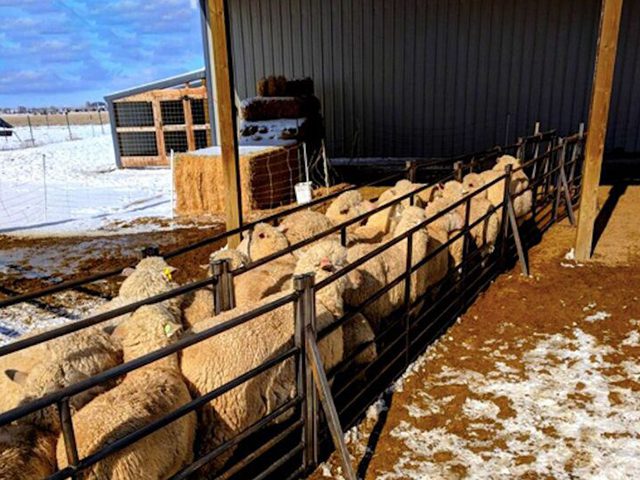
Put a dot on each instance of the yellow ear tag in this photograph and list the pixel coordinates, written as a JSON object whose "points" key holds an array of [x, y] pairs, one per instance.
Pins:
{"points": [[167, 273], [167, 330]]}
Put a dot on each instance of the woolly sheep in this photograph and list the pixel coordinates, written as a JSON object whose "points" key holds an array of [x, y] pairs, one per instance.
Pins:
{"points": [[144, 395], [22, 360], [373, 277], [220, 359], [348, 205], [356, 332], [65, 361], [395, 257], [519, 185], [449, 224], [383, 222], [517, 174], [472, 182], [263, 241], [305, 224], [26, 452]]}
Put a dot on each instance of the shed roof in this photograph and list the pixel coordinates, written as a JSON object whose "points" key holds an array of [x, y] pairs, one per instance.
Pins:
{"points": [[5, 124]]}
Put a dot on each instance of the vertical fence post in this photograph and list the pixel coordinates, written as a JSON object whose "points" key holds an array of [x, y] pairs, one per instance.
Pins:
{"points": [[465, 250], [560, 155], [410, 166], [536, 150], [46, 118], [172, 183], [223, 294], [520, 153], [100, 120], [66, 115], [44, 185], [305, 323], [457, 167], [407, 298], [33, 142], [505, 215], [64, 414]]}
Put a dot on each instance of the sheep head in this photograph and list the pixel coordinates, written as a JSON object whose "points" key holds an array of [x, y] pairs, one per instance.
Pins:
{"points": [[324, 259], [266, 240], [471, 182]]}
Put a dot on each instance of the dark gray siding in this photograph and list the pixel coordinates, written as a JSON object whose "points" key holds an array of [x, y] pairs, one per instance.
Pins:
{"points": [[438, 77]]}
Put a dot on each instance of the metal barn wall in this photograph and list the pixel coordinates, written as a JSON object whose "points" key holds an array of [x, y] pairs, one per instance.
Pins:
{"points": [[437, 77]]}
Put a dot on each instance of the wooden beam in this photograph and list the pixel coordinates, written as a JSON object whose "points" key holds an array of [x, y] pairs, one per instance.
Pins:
{"points": [[597, 129], [218, 20], [188, 121], [157, 124]]}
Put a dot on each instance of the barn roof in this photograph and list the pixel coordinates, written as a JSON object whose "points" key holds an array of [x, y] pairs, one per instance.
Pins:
{"points": [[5, 124]]}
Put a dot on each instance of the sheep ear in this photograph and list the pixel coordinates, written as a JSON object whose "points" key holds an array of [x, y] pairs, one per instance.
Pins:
{"points": [[282, 228], [204, 267], [16, 376], [109, 329], [128, 271]]}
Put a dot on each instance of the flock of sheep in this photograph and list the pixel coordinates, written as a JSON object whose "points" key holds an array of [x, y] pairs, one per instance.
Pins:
{"points": [[33, 447]]}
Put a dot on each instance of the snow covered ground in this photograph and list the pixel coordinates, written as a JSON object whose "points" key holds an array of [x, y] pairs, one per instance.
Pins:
{"points": [[73, 186], [42, 135]]}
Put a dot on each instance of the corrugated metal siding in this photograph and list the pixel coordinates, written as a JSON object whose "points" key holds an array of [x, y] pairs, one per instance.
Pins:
{"points": [[438, 77]]}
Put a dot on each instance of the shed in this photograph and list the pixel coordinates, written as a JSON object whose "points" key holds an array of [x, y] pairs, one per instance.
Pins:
{"points": [[6, 129]]}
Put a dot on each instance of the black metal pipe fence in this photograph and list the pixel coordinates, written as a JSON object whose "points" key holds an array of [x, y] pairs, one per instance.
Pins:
{"points": [[399, 341]]}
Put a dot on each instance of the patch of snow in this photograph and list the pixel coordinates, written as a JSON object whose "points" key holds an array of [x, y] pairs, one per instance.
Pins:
{"points": [[374, 411], [632, 340], [73, 186], [570, 255], [598, 316], [562, 420]]}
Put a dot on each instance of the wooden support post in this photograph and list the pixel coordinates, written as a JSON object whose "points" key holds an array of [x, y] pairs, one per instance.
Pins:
{"points": [[598, 116], [188, 123], [158, 127], [218, 21]]}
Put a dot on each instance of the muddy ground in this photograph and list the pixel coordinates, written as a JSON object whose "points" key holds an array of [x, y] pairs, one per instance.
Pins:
{"points": [[540, 378]]}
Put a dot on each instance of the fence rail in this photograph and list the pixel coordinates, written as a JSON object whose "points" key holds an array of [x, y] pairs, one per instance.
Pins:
{"points": [[294, 448]]}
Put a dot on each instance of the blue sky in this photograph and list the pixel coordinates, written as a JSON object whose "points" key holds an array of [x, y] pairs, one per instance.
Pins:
{"points": [[65, 52]]}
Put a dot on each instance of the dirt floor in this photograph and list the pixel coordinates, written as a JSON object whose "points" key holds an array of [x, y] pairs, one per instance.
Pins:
{"points": [[540, 378]]}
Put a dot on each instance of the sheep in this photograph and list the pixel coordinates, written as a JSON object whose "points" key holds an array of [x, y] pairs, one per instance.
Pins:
{"points": [[151, 276], [305, 224], [517, 173], [356, 332], [26, 452], [383, 222], [519, 185], [62, 362], [200, 304], [472, 182], [448, 225], [263, 241], [145, 395], [374, 277], [348, 205], [395, 258], [12, 363], [220, 359]]}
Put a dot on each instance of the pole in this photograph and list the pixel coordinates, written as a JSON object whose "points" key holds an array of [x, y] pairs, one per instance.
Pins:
{"points": [[33, 142], [218, 20], [306, 162], [173, 190], [66, 115], [100, 120], [44, 183], [598, 116]]}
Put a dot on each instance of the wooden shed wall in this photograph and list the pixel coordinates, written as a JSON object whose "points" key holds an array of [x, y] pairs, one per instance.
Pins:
{"points": [[438, 77]]}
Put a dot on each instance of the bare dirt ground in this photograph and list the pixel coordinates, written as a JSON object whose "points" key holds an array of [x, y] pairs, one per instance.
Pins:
{"points": [[540, 378]]}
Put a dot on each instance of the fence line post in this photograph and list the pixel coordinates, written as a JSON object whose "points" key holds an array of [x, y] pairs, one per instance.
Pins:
{"points": [[410, 167], [457, 167], [173, 190], [100, 120], [305, 324], [44, 185], [223, 294], [465, 249], [66, 115], [64, 415], [505, 217], [520, 153], [560, 155], [407, 297], [33, 142]]}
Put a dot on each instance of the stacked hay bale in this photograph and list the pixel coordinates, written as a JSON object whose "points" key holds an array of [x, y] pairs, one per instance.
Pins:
{"points": [[282, 112]]}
